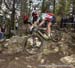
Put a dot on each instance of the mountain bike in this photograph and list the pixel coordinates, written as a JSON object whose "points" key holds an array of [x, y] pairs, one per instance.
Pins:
{"points": [[34, 41]]}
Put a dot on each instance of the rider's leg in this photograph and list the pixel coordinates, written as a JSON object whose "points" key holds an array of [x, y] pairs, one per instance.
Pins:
{"points": [[49, 28], [32, 25], [42, 22]]}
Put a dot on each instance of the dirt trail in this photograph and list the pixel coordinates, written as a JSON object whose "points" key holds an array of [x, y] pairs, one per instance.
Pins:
{"points": [[41, 60]]}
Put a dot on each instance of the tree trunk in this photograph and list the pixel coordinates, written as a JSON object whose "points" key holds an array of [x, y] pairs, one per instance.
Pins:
{"points": [[73, 7], [13, 15], [43, 6], [24, 7], [54, 6]]}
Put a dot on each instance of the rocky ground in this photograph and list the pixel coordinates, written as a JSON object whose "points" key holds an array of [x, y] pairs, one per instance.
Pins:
{"points": [[54, 54]]}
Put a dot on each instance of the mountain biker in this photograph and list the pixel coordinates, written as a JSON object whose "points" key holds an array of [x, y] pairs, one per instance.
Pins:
{"points": [[47, 18], [35, 17]]}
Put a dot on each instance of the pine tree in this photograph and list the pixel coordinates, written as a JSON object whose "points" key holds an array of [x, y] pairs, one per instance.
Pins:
{"points": [[60, 9], [67, 6], [73, 7]]}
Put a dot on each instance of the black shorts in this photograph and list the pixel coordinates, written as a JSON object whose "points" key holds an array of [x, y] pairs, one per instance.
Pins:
{"points": [[35, 19]]}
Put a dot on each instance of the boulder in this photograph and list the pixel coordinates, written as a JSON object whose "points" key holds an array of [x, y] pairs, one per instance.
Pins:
{"points": [[14, 44], [68, 59]]}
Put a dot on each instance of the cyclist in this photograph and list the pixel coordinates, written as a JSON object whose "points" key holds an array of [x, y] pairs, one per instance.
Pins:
{"points": [[47, 18], [35, 17]]}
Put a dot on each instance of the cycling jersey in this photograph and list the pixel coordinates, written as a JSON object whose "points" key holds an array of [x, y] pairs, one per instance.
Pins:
{"points": [[46, 16], [35, 16]]}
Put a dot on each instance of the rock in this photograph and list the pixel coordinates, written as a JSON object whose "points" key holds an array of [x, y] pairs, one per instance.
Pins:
{"points": [[39, 57], [2, 60], [66, 37], [46, 51], [14, 44], [56, 49], [73, 35], [65, 49], [68, 59], [51, 48], [7, 40], [62, 39], [16, 58], [6, 45], [42, 61], [29, 66], [16, 39]]}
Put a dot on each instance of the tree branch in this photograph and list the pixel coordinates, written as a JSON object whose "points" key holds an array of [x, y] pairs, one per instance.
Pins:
{"points": [[7, 6]]}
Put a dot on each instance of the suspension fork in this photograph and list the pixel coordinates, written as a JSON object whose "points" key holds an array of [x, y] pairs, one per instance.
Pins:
{"points": [[33, 36]]}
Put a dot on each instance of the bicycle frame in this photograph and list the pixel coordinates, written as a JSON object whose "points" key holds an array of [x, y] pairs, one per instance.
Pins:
{"points": [[39, 32]]}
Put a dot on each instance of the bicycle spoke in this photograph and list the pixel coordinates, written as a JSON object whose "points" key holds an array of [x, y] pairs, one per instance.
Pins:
{"points": [[33, 45]]}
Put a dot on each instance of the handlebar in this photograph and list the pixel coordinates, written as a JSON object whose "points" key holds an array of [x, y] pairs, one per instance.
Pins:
{"points": [[36, 29], [42, 28]]}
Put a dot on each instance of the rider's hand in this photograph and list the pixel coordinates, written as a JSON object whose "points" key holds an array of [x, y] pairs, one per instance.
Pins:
{"points": [[35, 25], [31, 28]]}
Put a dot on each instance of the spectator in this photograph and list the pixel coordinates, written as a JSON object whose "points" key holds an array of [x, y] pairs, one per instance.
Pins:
{"points": [[25, 19], [3, 27], [71, 19], [74, 21], [1, 34], [63, 22]]}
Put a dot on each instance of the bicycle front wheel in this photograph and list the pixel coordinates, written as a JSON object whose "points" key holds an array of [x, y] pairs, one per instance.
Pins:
{"points": [[33, 44]]}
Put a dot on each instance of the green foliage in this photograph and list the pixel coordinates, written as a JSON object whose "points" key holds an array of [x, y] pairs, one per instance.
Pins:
{"points": [[63, 7], [60, 7], [67, 6], [45, 5]]}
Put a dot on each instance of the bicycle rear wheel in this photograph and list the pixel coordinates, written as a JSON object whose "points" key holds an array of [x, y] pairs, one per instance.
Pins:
{"points": [[33, 44], [56, 35]]}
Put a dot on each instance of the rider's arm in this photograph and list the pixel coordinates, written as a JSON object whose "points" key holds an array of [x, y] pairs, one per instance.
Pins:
{"points": [[42, 22], [36, 22]]}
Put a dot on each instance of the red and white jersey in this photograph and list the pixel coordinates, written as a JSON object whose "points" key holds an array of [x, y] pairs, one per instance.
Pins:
{"points": [[46, 16], [49, 16]]}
